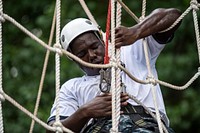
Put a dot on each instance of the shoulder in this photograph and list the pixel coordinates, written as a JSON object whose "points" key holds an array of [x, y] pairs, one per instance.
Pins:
{"points": [[72, 81], [70, 84]]}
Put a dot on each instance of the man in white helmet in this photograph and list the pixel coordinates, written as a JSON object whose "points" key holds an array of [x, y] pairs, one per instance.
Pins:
{"points": [[82, 106]]}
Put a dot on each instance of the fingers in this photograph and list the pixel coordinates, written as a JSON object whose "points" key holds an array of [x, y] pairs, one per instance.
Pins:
{"points": [[105, 96], [119, 37], [124, 98], [118, 42]]}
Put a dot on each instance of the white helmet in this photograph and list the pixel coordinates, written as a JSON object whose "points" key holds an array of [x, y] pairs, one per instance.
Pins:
{"points": [[74, 28]]}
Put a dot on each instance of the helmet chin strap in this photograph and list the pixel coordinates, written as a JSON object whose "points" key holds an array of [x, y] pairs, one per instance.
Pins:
{"points": [[98, 36]]}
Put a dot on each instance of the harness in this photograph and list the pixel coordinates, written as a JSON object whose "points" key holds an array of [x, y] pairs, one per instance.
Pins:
{"points": [[136, 114]]}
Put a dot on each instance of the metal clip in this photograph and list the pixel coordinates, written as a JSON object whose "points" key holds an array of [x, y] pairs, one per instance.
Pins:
{"points": [[105, 80], [123, 88]]}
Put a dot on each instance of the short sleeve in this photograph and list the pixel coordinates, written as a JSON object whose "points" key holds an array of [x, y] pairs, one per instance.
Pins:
{"points": [[67, 101]]}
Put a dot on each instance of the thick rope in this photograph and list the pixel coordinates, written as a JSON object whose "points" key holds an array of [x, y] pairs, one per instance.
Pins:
{"points": [[129, 11], [57, 65], [196, 27], [114, 128], [153, 84], [28, 113], [1, 86], [43, 73], [180, 87], [178, 20], [53, 49], [87, 11], [144, 8], [28, 32], [70, 55], [133, 77], [118, 71], [46, 126]]}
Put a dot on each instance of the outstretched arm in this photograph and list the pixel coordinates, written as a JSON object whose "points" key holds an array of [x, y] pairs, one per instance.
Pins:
{"points": [[159, 20]]}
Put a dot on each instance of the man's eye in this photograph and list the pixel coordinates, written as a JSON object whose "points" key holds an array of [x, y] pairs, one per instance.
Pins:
{"points": [[81, 54], [95, 46]]}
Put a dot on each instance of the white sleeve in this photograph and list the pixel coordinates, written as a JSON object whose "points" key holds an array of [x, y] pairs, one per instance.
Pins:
{"points": [[154, 48], [136, 51], [67, 102]]}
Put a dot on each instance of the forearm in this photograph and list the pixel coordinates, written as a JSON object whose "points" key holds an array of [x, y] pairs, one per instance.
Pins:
{"points": [[157, 21], [75, 122]]}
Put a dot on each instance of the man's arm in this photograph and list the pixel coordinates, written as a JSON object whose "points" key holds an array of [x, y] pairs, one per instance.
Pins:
{"points": [[75, 122], [100, 106], [159, 20]]}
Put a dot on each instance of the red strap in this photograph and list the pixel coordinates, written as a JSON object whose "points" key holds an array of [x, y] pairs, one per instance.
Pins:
{"points": [[106, 57]]}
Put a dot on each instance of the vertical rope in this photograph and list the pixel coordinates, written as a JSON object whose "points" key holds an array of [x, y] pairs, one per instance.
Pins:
{"points": [[149, 71], [1, 87], [57, 58], [153, 85], [87, 11], [118, 71], [43, 73], [144, 8], [129, 11], [196, 26], [113, 87]]}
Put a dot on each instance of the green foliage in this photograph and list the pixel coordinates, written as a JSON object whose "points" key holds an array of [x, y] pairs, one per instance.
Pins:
{"points": [[23, 60]]}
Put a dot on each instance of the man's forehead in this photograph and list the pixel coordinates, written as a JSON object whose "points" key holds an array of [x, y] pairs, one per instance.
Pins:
{"points": [[88, 36]]}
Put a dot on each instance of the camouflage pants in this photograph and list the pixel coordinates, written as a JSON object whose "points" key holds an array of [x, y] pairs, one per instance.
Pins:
{"points": [[126, 125]]}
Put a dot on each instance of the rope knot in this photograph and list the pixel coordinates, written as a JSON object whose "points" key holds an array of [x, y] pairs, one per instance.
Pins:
{"points": [[2, 97], [58, 47], [194, 5], [151, 80], [2, 19], [58, 126], [141, 18], [113, 62]]}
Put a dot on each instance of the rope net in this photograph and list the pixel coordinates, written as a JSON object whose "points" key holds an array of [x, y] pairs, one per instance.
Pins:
{"points": [[114, 64]]}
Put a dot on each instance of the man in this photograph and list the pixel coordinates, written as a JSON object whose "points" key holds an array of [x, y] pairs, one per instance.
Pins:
{"points": [[81, 99]]}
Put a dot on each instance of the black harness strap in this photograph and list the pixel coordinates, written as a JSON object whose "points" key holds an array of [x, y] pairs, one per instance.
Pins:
{"points": [[137, 113]]}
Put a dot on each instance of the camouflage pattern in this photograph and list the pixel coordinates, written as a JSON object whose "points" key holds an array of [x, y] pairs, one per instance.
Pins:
{"points": [[126, 125]]}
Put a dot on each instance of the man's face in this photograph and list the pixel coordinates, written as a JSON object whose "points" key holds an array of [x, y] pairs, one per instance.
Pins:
{"points": [[90, 49]]}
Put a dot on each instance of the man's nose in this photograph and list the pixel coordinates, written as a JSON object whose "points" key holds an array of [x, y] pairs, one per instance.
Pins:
{"points": [[92, 54]]}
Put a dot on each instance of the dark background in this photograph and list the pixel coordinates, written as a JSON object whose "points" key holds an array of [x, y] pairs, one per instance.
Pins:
{"points": [[23, 60]]}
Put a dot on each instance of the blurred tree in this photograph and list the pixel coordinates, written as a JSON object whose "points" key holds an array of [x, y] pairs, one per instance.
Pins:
{"points": [[23, 59]]}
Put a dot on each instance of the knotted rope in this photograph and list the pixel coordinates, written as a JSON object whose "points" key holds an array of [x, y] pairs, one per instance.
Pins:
{"points": [[114, 128], [2, 98]]}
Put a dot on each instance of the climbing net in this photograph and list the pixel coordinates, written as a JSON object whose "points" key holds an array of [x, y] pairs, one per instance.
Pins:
{"points": [[114, 63]]}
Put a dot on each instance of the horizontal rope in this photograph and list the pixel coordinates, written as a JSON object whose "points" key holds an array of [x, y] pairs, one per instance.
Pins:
{"points": [[16, 104]]}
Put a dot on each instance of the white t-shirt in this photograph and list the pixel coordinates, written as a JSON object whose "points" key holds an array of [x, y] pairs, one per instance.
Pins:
{"points": [[78, 91]]}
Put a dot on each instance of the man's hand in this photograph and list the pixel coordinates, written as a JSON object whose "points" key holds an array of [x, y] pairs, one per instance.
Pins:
{"points": [[125, 36], [101, 105]]}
